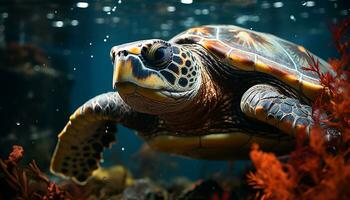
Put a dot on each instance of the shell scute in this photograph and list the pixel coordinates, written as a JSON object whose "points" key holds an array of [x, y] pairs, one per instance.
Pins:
{"points": [[216, 47], [253, 42], [299, 57], [204, 31], [247, 50], [280, 72], [242, 60]]}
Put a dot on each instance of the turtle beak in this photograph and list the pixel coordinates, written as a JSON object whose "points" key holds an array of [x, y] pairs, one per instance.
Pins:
{"points": [[123, 70], [129, 68], [114, 74], [117, 70]]}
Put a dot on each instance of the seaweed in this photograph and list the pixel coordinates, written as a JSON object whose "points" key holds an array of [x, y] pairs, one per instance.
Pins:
{"points": [[312, 171], [24, 183]]}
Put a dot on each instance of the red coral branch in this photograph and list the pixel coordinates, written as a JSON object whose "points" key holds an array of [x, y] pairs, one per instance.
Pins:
{"points": [[338, 33], [26, 188], [311, 172], [17, 179], [38, 173]]}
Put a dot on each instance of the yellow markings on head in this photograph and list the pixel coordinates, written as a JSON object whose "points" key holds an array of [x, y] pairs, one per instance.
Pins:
{"points": [[134, 50], [129, 89], [123, 72], [152, 81], [152, 94]]}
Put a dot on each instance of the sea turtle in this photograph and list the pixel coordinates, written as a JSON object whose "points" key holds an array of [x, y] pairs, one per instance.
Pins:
{"points": [[208, 93]]}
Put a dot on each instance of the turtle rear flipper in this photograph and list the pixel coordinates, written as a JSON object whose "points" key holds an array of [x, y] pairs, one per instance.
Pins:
{"points": [[90, 129]]}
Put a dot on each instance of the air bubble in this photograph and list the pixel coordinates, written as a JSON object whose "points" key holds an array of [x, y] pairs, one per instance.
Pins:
{"points": [[106, 8], [292, 18], [278, 4], [171, 9]]}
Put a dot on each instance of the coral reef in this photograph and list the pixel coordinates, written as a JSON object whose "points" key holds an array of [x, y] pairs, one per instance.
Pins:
{"points": [[26, 183], [30, 183], [19, 182], [312, 171]]}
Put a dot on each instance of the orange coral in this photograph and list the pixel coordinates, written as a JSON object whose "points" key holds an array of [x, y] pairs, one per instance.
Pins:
{"points": [[271, 175], [16, 155], [312, 172]]}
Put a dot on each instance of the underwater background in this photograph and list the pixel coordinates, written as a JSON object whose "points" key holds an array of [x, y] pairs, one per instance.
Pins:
{"points": [[55, 56]]}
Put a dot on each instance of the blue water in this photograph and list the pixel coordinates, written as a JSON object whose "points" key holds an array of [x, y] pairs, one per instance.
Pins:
{"points": [[78, 41]]}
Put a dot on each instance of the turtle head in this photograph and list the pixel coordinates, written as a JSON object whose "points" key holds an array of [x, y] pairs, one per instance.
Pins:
{"points": [[155, 76]]}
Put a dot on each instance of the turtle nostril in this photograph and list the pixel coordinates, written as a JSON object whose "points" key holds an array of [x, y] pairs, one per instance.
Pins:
{"points": [[123, 53]]}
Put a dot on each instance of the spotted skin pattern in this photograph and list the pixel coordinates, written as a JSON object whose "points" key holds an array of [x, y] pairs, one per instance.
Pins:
{"points": [[181, 71]]}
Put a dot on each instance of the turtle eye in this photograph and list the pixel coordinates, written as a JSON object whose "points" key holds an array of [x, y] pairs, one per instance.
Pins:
{"points": [[158, 55]]}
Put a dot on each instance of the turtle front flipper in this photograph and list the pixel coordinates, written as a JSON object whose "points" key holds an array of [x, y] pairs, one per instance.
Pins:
{"points": [[267, 104], [90, 129]]}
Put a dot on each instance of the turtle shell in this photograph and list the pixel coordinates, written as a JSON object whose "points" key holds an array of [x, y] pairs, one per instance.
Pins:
{"points": [[249, 50]]}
